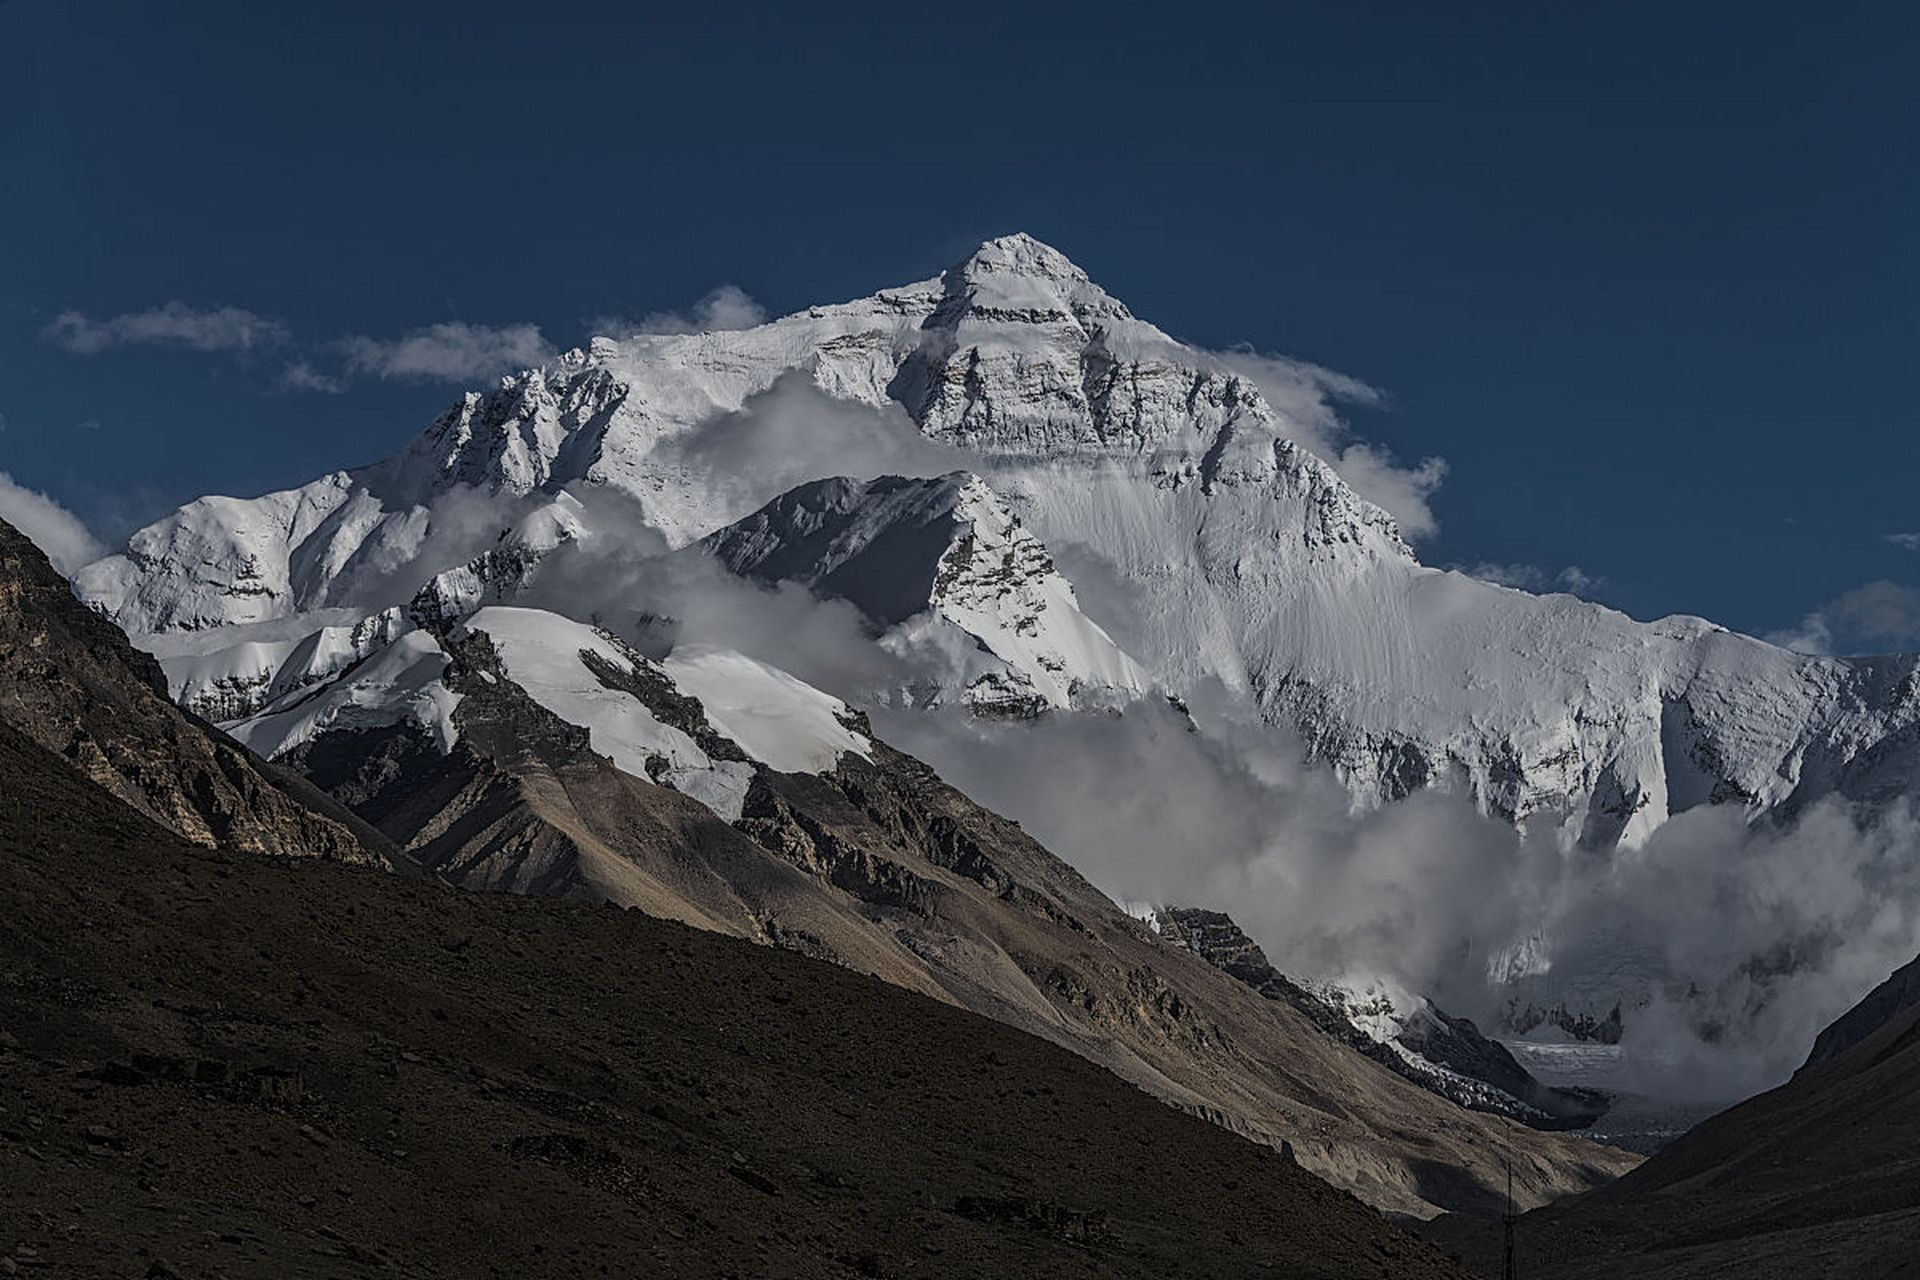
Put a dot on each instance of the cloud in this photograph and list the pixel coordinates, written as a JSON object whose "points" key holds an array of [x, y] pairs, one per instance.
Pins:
{"points": [[1812, 636], [48, 525], [794, 432], [727, 307], [1306, 396], [1806, 917], [1433, 897], [454, 351], [1531, 577], [1879, 612], [302, 376], [173, 324], [1905, 541], [1876, 617]]}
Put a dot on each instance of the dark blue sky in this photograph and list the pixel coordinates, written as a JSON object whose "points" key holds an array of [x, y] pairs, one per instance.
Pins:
{"points": [[1645, 275]]}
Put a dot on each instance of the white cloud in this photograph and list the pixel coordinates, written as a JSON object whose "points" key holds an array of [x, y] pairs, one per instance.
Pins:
{"points": [[727, 307], [173, 324], [1305, 395], [451, 352], [1905, 541], [1812, 635], [1222, 811], [794, 432], [48, 525], [302, 376], [1875, 617], [1531, 577]]}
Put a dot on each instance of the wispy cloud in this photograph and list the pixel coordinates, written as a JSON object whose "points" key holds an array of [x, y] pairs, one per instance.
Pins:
{"points": [[48, 525], [1876, 617], [302, 376], [727, 307], [451, 352], [1905, 541], [1531, 577], [172, 324]]}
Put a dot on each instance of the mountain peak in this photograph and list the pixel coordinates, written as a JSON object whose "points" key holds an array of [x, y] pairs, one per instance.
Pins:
{"points": [[1017, 277], [1022, 254]]}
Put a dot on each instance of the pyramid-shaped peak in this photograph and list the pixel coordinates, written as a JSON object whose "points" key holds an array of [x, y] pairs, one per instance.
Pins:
{"points": [[1017, 272], [1021, 254]]}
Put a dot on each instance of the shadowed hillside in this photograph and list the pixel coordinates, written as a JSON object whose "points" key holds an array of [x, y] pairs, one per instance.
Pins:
{"points": [[218, 1065]]}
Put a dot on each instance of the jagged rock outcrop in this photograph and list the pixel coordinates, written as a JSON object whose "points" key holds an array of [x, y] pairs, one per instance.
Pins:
{"points": [[924, 559], [1441, 1053], [71, 682]]}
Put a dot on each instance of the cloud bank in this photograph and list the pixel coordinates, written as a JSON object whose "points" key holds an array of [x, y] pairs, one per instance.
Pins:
{"points": [[1876, 617], [1531, 577], [454, 351], [173, 324], [48, 525], [1432, 896], [794, 432], [727, 307]]}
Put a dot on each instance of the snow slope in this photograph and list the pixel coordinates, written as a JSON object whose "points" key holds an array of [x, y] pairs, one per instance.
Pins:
{"points": [[405, 682], [785, 724], [773, 718]]}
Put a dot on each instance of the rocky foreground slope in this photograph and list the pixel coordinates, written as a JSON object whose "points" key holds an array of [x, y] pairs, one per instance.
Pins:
{"points": [[217, 1065], [70, 681], [854, 852]]}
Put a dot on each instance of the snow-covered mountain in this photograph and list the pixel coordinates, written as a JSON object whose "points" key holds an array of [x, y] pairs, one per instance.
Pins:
{"points": [[1246, 557], [1039, 502]]}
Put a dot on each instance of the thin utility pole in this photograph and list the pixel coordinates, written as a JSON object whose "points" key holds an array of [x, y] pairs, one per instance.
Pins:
{"points": [[1510, 1270]]}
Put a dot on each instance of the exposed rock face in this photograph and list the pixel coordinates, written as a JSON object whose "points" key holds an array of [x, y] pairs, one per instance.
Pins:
{"points": [[926, 558], [70, 681], [1443, 1054]]}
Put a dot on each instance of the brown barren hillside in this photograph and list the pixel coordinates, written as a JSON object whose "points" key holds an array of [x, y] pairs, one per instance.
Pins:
{"points": [[218, 1065]]}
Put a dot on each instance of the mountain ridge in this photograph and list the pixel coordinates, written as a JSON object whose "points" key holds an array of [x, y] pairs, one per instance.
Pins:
{"points": [[1213, 545]]}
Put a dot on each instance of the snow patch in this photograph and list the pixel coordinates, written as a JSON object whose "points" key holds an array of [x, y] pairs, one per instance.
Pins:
{"points": [[403, 682], [541, 653], [789, 726]]}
